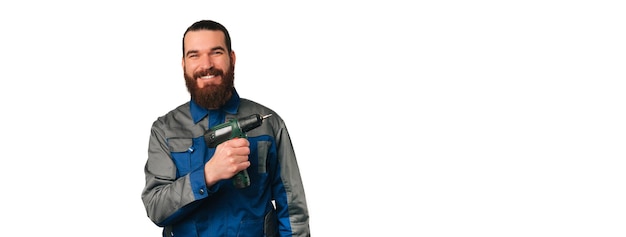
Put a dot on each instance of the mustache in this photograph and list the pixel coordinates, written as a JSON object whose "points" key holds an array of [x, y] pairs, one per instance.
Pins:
{"points": [[210, 71]]}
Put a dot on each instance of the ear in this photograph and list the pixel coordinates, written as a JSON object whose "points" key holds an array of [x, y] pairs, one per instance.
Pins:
{"points": [[182, 63], [232, 57]]}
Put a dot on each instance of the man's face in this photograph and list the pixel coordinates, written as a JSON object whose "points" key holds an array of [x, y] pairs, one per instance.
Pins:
{"points": [[208, 68]]}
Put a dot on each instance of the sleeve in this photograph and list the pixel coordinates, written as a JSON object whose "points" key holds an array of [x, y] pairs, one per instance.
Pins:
{"points": [[167, 198], [288, 191]]}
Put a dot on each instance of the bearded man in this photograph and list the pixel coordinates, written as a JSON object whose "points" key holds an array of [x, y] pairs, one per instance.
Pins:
{"points": [[188, 190]]}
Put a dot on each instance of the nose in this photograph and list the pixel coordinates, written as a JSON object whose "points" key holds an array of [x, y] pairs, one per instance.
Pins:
{"points": [[206, 62]]}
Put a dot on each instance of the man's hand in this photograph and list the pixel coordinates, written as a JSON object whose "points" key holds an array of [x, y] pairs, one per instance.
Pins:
{"points": [[229, 158]]}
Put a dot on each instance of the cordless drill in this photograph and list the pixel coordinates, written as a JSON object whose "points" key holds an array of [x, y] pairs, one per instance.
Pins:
{"points": [[231, 129]]}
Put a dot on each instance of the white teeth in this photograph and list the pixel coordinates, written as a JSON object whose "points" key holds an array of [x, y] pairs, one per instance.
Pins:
{"points": [[207, 77]]}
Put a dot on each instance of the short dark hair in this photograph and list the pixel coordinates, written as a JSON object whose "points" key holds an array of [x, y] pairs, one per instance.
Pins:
{"points": [[208, 25]]}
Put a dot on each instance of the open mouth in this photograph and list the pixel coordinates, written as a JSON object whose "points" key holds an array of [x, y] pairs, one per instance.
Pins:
{"points": [[208, 74], [207, 77]]}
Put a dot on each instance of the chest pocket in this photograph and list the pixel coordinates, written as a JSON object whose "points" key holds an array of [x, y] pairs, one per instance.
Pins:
{"points": [[185, 154]]}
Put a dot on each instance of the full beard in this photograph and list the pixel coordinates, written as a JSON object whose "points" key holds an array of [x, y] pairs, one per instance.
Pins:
{"points": [[212, 96]]}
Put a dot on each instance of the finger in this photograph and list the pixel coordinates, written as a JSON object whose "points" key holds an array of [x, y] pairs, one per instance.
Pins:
{"points": [[243, 165], [239, 142]]}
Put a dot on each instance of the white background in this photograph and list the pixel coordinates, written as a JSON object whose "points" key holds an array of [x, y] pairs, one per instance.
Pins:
{"points": [[432, 118]]}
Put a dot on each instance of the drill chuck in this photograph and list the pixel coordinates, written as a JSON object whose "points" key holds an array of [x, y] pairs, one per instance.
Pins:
{"points": [[251, 122]]}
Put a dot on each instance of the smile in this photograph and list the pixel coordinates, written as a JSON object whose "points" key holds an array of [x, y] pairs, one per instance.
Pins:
{"points": [[207, 77]]}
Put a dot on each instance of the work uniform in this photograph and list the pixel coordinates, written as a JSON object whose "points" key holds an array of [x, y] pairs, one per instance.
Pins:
{"points": [[177, 198]]}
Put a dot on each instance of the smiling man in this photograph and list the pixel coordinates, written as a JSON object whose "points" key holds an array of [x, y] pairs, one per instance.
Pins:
{"points": [[209, 64], [188, 190]]}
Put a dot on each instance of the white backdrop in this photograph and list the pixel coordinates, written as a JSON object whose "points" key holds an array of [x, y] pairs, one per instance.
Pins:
{"points": [[438, 118]]}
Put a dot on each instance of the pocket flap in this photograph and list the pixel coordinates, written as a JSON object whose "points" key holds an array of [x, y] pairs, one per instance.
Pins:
{"points": [[179, 144]]}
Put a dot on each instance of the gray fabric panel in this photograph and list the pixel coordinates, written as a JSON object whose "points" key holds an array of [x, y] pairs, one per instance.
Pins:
{"points": [[263, 147]]}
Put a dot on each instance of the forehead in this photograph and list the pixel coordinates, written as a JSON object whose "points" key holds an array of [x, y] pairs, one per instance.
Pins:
{"points": [[204, 39]]}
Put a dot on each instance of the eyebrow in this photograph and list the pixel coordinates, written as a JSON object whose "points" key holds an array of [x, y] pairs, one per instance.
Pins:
{"points": [[212, 49]]}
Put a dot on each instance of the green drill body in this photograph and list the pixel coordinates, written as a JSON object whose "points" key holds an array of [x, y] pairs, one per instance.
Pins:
{"points": [[231, 129]]}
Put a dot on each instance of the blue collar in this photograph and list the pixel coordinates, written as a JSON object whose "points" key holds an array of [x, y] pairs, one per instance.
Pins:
{"points": [[216, 115]]}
